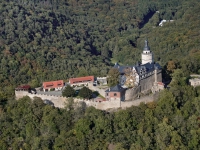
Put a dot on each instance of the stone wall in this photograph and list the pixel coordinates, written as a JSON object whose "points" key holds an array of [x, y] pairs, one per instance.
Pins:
{"points": [[159, 76], [58, 101], [145, 99], [147, 83], [104, 104], [132, 93]]}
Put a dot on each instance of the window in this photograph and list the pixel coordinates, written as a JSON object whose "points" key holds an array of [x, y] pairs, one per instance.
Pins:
{"points": [[106, 94], [115, 94]]}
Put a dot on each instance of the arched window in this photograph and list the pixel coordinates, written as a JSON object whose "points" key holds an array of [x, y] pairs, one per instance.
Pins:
{"points": [[115, 94]]}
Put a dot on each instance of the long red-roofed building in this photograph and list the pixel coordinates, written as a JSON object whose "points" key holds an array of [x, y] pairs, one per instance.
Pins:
{"points": [[81, 80], [57, 85]]}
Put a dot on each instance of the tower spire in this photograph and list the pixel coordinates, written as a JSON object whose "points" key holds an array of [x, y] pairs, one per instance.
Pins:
{"points": [[147, 56], [146, 47]]}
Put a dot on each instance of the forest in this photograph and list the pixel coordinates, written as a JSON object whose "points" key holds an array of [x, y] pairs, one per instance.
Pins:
{"points": [[50, 39], [42, 40], [170, 123]]}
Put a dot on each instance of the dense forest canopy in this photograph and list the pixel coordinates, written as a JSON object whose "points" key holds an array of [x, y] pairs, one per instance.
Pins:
{"points": [[50, 39], [44, 40], [172, 123]]}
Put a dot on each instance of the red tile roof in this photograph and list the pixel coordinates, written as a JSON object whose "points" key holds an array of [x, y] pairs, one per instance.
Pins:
{"points": [[81, 79], [53, 84], [23, 87]]}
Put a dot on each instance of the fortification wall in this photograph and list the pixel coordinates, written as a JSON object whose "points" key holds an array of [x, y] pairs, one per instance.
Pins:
{"points": [[159, 76], [147, 83], [104, 105], [137, 102], [59, 101], [132, 93]]}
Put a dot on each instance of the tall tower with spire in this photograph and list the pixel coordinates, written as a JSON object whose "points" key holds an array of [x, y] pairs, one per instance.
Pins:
{"points": [[147, 56]]}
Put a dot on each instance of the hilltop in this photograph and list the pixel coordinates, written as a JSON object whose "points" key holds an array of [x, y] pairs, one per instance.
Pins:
{"points": [[50, 40]]}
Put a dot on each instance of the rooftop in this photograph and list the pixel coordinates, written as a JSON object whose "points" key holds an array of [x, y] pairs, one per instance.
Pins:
{"points": [[53, 84], [148, 67], [23, 87], [146, 47], [81, 79], [116, 88]]}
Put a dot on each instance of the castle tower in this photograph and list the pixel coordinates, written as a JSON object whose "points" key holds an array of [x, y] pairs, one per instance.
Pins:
{"points": [[147, 56]]}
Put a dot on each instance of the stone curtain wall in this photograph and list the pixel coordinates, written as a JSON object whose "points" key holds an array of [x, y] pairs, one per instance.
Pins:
{"points": [[132, 93], [147, 83], [104, 105], [145, 99], [58, 101], [159, 76]]}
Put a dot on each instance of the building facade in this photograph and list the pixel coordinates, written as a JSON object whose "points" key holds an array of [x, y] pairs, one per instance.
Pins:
{"points": [[115, 93], [57, 85], [142, 76], [194, 82], [81, 80], [23, 88]]}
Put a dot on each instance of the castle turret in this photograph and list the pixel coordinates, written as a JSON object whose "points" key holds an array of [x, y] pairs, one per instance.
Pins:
{"points": [[147, 56]]}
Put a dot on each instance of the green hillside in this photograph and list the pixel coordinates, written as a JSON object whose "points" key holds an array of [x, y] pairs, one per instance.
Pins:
{"points": [[49, 40], [43, 40]]}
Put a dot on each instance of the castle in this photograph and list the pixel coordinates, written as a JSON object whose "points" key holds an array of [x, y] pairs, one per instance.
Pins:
{"points": [[141, 77], [134, 80]]}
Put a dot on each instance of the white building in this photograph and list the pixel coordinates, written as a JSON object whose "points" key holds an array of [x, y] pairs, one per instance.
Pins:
{"points": [[194, 82]]}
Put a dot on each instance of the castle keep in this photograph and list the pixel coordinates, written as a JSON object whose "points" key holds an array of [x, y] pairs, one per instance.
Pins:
{"points": [[141, 77]]}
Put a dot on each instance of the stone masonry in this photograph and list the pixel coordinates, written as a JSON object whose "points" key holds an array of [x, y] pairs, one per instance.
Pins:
{"points": [[60, 101]]}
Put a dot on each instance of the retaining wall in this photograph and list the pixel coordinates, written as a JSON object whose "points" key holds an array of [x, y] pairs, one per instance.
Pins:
{"points": [[60, 101], [104, 104]]}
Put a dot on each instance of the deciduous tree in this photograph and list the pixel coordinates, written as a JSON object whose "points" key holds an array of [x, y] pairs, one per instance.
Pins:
{"points": [[68, 91], [113, 77], [85, 93]]}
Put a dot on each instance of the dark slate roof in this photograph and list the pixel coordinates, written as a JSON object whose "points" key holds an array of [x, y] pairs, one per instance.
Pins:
{"points": [[148, 67], [146, 47], [116, 88], [121, 68]]}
